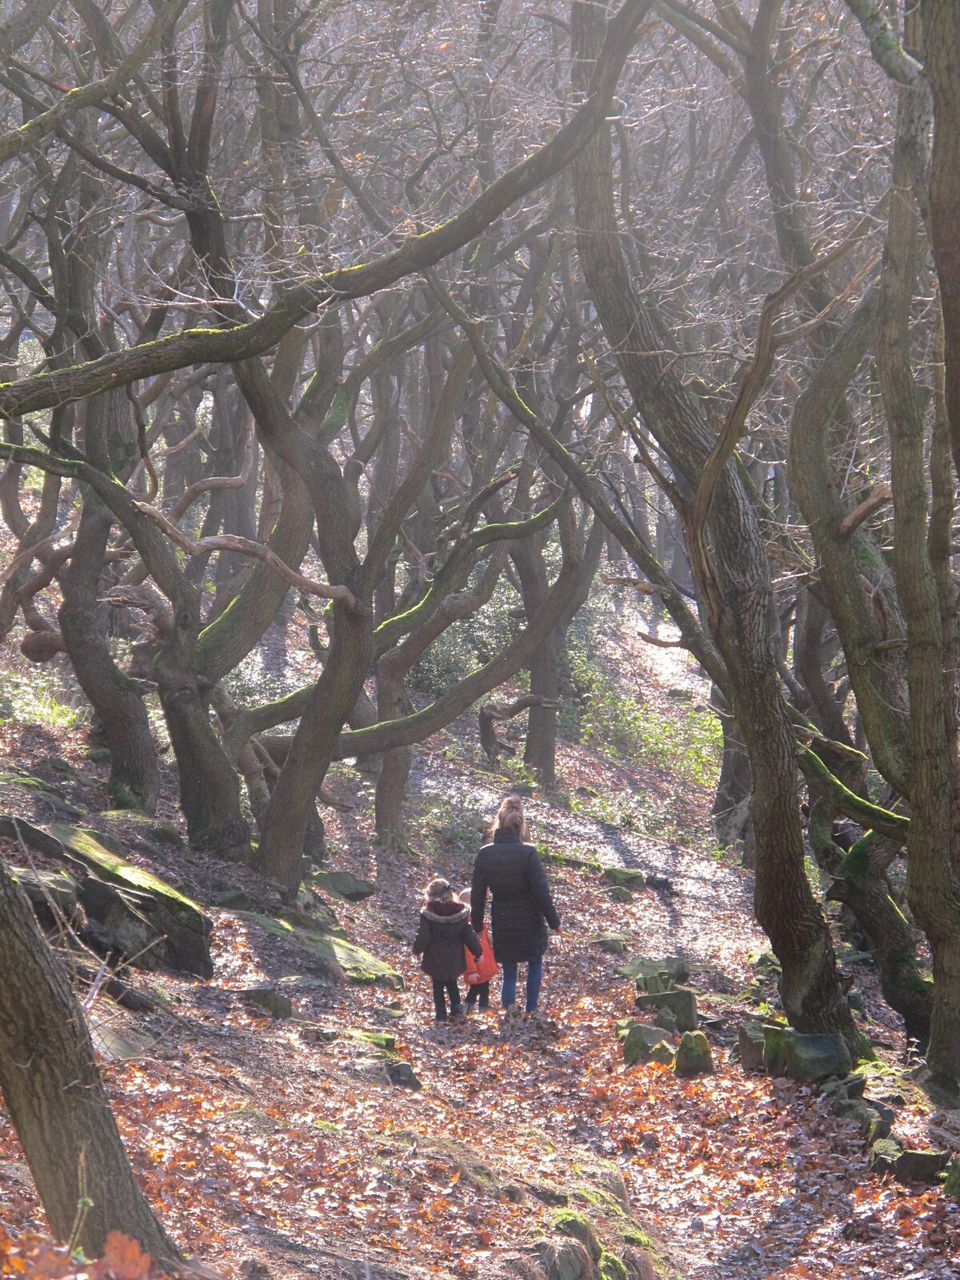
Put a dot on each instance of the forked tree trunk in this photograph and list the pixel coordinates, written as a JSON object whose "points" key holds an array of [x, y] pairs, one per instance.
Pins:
{"points": [[56, 1097]]}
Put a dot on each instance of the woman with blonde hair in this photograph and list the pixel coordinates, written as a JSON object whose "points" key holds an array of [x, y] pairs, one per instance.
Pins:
{"points": [[511, 872]]}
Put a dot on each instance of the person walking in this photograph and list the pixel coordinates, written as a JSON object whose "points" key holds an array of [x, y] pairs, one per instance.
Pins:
{"points": [[443, 933], [511, 872]]}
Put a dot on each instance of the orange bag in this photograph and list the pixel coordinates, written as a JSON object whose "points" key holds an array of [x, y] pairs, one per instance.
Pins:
{"points": [[486, 967]]}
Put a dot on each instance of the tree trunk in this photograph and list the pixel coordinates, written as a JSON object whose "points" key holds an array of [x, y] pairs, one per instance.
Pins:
{"points": [[209, 785], [134, 775], [932, 844], [739, 607], [56, 1097]]}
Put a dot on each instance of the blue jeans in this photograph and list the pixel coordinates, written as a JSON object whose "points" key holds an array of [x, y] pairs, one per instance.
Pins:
{"points": [[508, 992]]}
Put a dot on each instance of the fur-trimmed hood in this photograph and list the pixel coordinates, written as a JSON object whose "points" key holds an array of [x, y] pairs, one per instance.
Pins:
{"points": [[445, 912]]}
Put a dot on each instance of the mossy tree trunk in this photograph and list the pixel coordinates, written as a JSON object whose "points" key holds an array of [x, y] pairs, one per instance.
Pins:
{"points": [[56, 1098]]}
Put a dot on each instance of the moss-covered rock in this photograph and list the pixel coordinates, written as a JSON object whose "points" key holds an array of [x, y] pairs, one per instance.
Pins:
{"points": [[681, 1001], [671, 971], [809, 1058], [382, 1040], [618, 893], [693, 1055], [639, 1041], [610, 1267], [628, 877], [335, 958], [185, 928], [568, 1222], [50, 795], [46, 887]]}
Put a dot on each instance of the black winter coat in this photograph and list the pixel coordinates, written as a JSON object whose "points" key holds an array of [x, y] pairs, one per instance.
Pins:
{"points": [[444, 932], [522, 907]]}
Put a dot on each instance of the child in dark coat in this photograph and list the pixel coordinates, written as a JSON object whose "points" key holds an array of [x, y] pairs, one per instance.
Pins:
{"points": [[444, 932]]}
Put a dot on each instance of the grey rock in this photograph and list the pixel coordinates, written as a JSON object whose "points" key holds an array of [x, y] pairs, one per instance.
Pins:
{"points": [[682, 1001], [345, 885], [272, 1002], [564, 1259], [402, 1074], [750, 1041]]}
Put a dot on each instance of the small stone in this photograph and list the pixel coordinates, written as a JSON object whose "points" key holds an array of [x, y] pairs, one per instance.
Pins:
{"points": [[750, 1040], [630, 877], [402, 1074], [667, 1019], [611, 944], [345, 885], [272, 1002], [618, 893]]}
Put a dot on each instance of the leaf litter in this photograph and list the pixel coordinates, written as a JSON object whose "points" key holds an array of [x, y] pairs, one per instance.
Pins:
{"points": [[284, 1145]]}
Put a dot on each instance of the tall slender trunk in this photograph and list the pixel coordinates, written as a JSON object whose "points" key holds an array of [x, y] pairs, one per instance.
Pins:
{"points": [[739, 610], [932, 845]]}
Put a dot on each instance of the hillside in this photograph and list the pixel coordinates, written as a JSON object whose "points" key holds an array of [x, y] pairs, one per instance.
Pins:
{"points": [[300, 1144]]}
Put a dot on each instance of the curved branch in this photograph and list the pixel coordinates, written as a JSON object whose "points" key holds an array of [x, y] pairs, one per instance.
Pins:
{"points": [[246, 547], [238, 342]]}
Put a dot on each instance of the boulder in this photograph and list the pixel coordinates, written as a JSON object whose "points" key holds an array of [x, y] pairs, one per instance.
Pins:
{"points": [[681, 1001], [809, 1058], [920, 1166], [185, 928], [639, 1041], [344, 884], [951, 1184], [693, 1055]]}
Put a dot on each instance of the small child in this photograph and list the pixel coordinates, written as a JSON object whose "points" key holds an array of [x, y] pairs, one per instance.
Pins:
{"points": [[444, 932], [476, 991]]}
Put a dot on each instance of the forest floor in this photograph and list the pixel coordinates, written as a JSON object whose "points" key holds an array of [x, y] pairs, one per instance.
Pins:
{"points": [[281, 1148]]}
